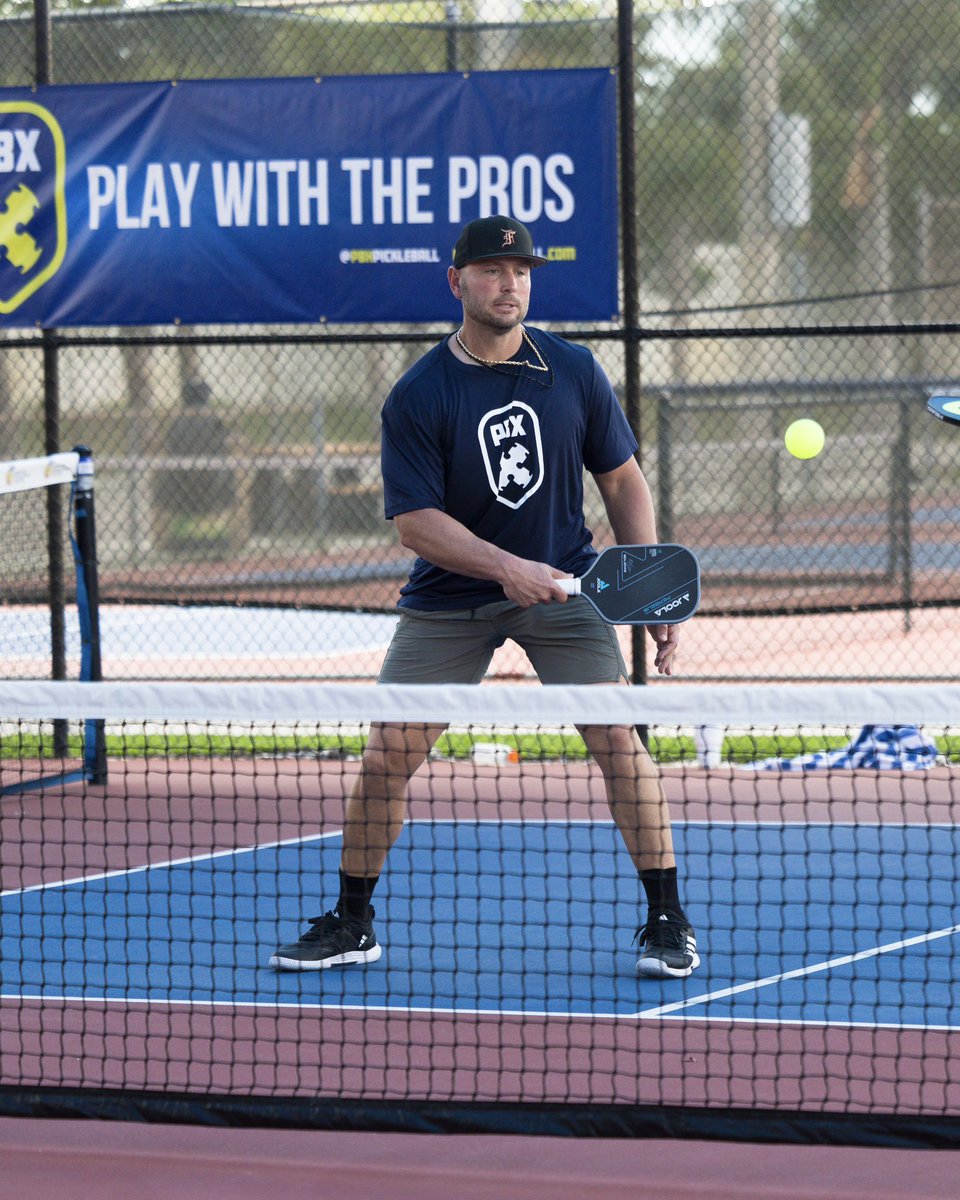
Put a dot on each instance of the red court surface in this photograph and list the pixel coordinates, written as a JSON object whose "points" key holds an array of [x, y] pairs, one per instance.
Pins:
{"points": [[73, 1160]]}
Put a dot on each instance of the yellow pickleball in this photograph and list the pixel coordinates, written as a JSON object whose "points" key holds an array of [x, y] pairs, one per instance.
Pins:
{"points": [[804, 438]]}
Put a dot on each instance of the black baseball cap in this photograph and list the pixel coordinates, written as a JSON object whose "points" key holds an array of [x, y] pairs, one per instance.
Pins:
{"points": [[494, 237]]}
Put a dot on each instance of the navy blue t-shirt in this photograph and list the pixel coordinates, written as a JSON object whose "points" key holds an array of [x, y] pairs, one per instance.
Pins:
{"points": [[503, 452]]}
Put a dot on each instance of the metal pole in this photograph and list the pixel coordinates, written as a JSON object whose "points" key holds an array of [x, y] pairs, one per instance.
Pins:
{"points": [[452, 18], [43, 74], [56, 532], [665, 472], [626, 75], [903, 513], [43, 42]]}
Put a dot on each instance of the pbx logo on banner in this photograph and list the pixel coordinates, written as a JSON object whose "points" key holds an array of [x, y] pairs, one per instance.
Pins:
{"points": [[33, 205], [512, 453]]}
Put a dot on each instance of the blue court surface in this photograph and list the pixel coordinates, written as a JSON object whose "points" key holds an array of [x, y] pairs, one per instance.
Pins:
{"points": [[815, 923]]}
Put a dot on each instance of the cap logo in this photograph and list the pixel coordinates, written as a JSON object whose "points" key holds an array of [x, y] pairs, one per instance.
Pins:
{"points": [[494, 237]]}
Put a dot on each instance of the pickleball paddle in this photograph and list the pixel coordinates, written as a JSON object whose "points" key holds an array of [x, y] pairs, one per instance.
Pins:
{"points": [[641, 585]]}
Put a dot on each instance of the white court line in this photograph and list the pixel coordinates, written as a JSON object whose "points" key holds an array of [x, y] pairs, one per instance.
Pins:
{"points": [[843, 961], [208, 856], [590, 1015], [318, 1006]]}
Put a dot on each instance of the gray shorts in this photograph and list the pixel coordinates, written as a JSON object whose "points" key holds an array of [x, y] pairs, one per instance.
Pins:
{"points": [[566, 643]]}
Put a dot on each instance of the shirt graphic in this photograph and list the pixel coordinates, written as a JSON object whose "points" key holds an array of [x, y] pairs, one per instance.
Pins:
{"points": [[512, 452]]}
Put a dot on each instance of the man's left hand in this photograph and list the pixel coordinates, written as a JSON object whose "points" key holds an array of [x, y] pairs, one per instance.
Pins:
{"points": [[666, 638]]}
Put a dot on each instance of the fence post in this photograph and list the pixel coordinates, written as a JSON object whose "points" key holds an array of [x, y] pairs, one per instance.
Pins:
{"points": [[902, 517], [43, 73], [665, 518], [451, 16], [629, 257]]}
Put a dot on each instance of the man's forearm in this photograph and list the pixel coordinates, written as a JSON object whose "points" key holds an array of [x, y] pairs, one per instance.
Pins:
{"points": [[447, 543], [444, 541]]}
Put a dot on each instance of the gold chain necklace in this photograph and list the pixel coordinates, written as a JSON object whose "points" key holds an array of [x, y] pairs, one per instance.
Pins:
{"points": [[540, 365]]}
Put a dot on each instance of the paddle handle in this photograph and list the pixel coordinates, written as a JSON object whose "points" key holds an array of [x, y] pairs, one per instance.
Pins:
{"points": [[570, 586]]}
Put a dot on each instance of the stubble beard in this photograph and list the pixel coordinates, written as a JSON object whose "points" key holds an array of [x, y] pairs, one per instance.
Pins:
{"points": [[490, 318]]}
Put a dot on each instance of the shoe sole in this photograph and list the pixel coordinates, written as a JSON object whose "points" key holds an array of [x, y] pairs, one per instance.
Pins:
{"points": [[338, 960], [656, 968]]}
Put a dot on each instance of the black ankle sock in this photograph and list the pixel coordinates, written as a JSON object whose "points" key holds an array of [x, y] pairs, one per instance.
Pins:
{"points": [[661, 888], [355, 893]]}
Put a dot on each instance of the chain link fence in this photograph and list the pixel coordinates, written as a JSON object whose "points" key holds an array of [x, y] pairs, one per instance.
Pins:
{"points": [[790, 196]]}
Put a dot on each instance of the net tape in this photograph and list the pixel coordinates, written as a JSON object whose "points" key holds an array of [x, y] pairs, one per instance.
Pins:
{"points": [[815, 705]]}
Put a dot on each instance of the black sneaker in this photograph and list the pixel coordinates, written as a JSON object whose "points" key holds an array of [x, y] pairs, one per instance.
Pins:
{"points": [[331, 941], [669, 947]]}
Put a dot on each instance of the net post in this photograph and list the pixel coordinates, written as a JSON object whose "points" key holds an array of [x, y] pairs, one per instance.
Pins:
{"points": [[88, 608]]}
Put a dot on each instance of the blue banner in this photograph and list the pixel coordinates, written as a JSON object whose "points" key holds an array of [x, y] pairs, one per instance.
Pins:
{"points": [[299, 200]]}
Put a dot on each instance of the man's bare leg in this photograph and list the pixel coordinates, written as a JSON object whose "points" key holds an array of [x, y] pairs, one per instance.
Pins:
{"points": [[639, 808], [374, 816]]}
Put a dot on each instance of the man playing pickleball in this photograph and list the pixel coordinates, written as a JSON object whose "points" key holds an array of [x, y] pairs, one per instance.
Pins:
{"points": [[484, 444]]}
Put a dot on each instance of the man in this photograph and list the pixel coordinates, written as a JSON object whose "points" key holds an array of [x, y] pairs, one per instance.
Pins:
{"points": [[484, 444]]}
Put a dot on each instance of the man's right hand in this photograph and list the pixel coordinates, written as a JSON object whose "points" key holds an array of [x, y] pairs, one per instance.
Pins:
{"points": [[528, 583]]}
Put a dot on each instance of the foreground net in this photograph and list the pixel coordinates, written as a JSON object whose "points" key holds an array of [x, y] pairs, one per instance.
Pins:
{"points": [[818, 854]]}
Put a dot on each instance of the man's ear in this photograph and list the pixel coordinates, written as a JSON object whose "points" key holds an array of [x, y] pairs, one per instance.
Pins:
{"points": [[453, 278]]}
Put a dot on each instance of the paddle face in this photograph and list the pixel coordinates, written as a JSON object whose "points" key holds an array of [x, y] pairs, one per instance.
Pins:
{"points": [[644, 585], [945, 408]]}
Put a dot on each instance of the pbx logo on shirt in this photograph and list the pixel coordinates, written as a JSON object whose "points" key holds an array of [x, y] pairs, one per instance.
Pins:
{"points": [[512, 453], [33, 215]]}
